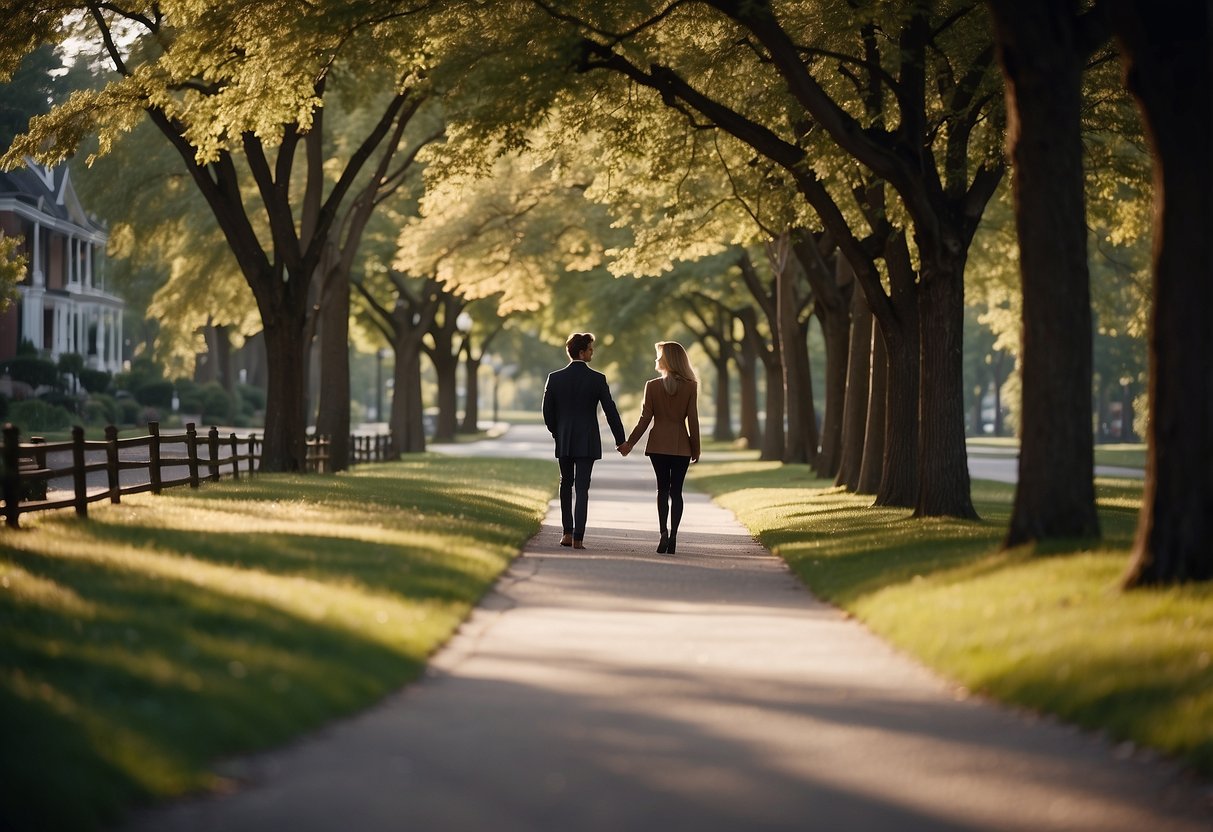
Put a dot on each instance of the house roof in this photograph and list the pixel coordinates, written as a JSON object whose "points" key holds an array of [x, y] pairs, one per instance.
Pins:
{"points": [[49, 190]]}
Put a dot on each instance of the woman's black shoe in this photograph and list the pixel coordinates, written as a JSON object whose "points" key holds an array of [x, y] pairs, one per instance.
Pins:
{"points": [[669, 549], [662, 544]]}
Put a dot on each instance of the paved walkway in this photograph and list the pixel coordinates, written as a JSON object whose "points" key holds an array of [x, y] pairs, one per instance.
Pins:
{"points": [[617, 689]]}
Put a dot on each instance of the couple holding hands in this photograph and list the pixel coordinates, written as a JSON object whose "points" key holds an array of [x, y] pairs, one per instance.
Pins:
{"points": [[570, 410]]}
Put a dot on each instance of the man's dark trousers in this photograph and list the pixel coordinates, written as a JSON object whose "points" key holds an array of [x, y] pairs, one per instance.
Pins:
{"points": [[575, 474]]}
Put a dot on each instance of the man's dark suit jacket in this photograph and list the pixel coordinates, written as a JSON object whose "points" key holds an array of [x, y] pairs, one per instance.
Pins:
{"points": [[570, 410]]}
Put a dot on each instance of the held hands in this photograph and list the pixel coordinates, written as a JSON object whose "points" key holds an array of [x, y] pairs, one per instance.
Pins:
{"points": [[623, 448]]}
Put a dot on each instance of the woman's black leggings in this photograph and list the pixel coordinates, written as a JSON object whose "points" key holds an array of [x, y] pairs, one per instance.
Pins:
{"points": [[671, 471]]}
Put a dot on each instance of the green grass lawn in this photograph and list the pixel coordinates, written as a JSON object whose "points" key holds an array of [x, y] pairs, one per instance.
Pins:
{"points": [[1047, 630], [139, 647]]}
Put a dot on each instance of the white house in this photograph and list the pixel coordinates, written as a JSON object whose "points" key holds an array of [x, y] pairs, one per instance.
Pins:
{"points": [[63, 306]]}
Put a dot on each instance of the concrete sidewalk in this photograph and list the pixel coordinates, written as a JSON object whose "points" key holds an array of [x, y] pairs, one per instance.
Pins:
{"points": [[617, 689]]}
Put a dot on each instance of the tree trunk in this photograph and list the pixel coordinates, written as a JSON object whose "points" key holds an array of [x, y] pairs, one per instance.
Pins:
{"points": [[445, 369], [798, 397], [218, 357], [943, 462], [1055, 493], [771, 356], [836, 329], [975, 413], [1126, 413], [723, 430], [1000, 377], [333, 407], [855, 404], [899, 476], [747, 380], [899, 472], [285, 420], [832, 281], [1166, 54], [773, 431], [471, 406], [874, 427], [407, 413]]}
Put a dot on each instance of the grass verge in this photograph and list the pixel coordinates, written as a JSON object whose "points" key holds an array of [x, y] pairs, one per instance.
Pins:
{"points": [[1048, 630], [141, 646]]}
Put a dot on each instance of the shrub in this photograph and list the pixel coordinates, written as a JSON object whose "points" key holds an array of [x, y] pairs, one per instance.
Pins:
{"points": [[34, 371], [142, 373], [101, 409], [129, 412], [95, 381], [35, 416], [189, 396], [58, 398], [252, 397], [217, 404], [155, 394], [71, 362]]}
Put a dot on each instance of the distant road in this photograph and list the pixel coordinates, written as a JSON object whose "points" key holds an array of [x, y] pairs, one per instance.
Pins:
{"points": [[533, 441], [1002, 465], [985, 463]]}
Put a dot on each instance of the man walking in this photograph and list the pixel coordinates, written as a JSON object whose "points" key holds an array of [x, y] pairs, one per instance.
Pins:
{"points": [[570, 410]]}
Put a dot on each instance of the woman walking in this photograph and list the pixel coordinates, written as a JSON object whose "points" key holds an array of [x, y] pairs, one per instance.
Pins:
{"points": [[670, 404]]}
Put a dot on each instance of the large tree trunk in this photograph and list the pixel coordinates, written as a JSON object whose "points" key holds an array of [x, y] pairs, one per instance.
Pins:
{"points": [[746, 357], [773, 432], [446, 366], [832, 282], [899, 476], [999, 372], [899, 472], [218, 365], [407, 420], [723, 430], [1055, 493], [770, 354], [855, 404], [800, 445], [943, 462], [1166, 54], [471, 396], [285, 419], [874, 427], [836, 329], [333, 408]]}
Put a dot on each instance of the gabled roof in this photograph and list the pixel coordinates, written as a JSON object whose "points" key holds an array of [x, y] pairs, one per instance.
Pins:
{"points": [[48, 189]]}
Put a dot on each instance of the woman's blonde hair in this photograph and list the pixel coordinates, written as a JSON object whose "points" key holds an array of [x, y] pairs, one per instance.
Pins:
{"points": [[674, 365]]}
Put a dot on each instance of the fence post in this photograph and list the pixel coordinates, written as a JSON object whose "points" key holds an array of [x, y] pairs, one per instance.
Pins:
{"points": [[212, 442], [111, 463], [153, 455], [11, 480], [78, 475], [235, 457], [191, 452], [252, 452]]}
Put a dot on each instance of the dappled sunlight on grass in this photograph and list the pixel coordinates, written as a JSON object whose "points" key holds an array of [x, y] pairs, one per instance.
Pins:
{"points": [[139, 646], [1045, 627]]}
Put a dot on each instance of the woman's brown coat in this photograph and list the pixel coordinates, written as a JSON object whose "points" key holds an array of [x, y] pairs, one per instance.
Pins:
{"points": [[675, 419]]}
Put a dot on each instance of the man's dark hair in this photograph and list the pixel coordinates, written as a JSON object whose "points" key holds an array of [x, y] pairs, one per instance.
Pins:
{"points": [[577, 342]]}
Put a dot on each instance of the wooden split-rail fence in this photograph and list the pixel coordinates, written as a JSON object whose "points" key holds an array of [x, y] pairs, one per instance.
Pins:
{"points": [[28, 466]]}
